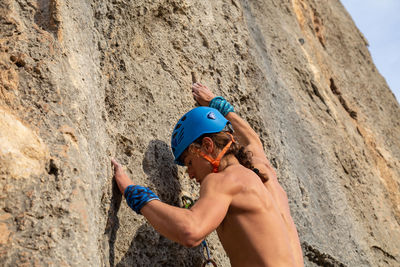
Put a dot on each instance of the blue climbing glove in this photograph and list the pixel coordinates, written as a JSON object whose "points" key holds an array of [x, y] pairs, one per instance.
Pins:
{"points": [[137, 196], [222, 105]]}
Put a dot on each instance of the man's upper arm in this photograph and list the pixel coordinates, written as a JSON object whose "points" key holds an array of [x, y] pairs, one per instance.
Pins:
{"points": [[252, 143], [212, 206], [190, 227], [247, 136]]}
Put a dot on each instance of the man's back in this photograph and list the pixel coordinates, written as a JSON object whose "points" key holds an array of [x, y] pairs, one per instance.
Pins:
{"points": [[253, 232]]}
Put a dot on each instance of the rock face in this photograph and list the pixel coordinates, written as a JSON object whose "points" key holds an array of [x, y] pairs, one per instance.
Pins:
{"points": [[83, 82]]}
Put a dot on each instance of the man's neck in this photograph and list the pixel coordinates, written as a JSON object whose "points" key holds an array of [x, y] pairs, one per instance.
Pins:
{"points": [[227, 161]]}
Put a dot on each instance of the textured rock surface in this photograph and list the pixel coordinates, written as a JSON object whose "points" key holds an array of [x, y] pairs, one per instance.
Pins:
{"points": [[82, 82]]}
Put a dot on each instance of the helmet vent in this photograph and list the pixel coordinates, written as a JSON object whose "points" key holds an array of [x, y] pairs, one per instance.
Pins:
{"points": [[174, 134], [178, 126], [180, 137], [183, 118]]}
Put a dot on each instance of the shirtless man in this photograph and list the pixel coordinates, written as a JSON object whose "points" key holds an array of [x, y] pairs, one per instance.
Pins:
{"points": [[240, 196]]}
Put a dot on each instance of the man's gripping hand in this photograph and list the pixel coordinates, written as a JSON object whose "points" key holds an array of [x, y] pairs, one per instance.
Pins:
{"points": [[123, 181]]}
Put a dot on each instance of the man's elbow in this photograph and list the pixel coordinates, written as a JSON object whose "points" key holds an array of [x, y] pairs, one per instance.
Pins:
{"points": [[191, 237], [191, 243]]}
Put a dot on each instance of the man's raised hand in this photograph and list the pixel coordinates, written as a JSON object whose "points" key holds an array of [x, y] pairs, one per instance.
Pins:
{"points": [[202, 94]]}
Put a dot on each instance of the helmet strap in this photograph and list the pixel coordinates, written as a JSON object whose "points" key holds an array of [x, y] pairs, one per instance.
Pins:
{"points": [[216, 161]]}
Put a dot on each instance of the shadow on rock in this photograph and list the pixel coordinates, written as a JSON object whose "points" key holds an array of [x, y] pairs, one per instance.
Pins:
{"points": [[158, 164], [148, 247], [112, 225]]}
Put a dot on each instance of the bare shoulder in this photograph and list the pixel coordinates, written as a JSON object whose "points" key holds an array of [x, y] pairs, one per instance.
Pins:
{"points": [[225, 182]]}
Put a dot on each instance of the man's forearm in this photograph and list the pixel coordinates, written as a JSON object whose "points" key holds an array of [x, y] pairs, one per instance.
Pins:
{"points": [[243, 130], [172, 222]]}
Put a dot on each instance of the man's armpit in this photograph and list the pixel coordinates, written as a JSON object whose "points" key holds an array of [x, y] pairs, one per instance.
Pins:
{"points": [[256, 151], [264, 169]]}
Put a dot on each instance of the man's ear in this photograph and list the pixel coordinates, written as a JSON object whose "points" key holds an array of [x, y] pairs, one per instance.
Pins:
{"points": [[207, 145]]}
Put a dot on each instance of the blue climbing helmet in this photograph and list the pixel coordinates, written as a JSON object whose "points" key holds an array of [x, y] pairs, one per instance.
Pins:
{"points": [[192, 125]]}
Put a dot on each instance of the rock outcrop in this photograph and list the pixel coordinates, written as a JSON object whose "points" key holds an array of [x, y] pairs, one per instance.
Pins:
{"points": [[82, 82]]}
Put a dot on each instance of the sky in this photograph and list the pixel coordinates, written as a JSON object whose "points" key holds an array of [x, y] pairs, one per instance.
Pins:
{"points": [[379, 21]]}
